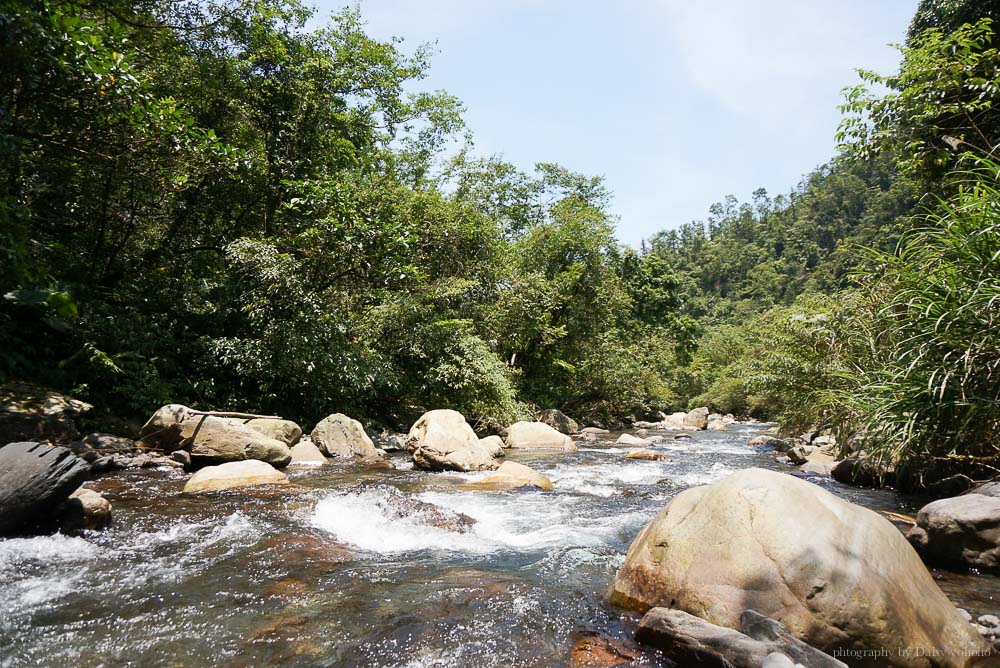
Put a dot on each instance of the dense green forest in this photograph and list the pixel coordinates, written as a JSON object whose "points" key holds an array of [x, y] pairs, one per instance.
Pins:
{"points": [[216, 203]]}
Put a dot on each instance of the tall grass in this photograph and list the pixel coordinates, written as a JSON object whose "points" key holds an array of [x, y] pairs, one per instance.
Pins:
{"points": [[926, 390]]}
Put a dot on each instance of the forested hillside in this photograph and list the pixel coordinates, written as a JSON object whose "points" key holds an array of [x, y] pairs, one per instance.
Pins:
{"points": [[221, 205]]}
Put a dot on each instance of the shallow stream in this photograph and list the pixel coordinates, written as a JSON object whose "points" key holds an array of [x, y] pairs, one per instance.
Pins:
{"points": [[367, 567]]}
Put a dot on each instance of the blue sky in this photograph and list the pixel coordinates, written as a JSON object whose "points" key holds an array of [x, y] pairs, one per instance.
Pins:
{"points": [[677, 103]]}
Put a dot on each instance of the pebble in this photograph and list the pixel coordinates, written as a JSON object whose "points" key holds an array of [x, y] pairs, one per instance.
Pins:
{"points": [[966, 615], [989, 620]]}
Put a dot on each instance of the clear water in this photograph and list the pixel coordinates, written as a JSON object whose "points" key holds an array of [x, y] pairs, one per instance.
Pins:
{"points": [[365, 567]]}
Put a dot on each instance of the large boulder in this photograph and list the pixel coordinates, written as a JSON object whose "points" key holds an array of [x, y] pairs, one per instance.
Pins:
{"points": [[697, 418], [537, 436], [961, 531], [342, 437], [511, 475], [836, 575], [559, 421], [32, 413], [34, 480], [210, 439], [493, 444], [441, 440], [234, 474], [675, 420], [285, 431]]}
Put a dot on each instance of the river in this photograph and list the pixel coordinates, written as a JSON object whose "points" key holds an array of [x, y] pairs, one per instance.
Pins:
{"points": [[367, 567]]}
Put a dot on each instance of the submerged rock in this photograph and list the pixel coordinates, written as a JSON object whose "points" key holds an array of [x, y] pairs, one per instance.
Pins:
{"points": [[441, 440], [340, 436], [761, 642], [34, 480], [591, 650], [511, 475], [537, 436], [648, 455], [835, 574], [234, 474], [960, 531], [559, 421]]}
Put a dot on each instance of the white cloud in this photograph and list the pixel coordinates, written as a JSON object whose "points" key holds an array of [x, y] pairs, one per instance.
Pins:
{"points": [[769, 59]]}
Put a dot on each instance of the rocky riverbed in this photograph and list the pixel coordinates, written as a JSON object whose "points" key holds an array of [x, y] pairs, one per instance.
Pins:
{"points": [[367, 565]]}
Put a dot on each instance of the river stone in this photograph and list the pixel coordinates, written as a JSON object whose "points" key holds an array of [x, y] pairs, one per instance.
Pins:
{"points": [[442, 440], [858, 472], [305, 453], [493, 444], [35, 479], [30, 412], [108, 442], [772, 442], [559, 421], [647, 455], [697, 418], [675, 420], [234, 474], [84, 509], [537, 436], [596, 431], [836, 575], [340, 436], [285, 431], [629, 439], [209, 439], [717, 424], [690, 640], [511, 475], [987, 489], [962, 531]]}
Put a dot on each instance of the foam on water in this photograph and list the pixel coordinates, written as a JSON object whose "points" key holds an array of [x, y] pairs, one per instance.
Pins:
{"points": [[716, 472], [605, 479], [377, 520]]}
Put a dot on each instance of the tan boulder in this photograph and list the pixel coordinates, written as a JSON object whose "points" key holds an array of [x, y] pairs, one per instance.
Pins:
{"points": [[511, 475], [210, 439], [340, 436], [441, 440], [629, 439], [493, 444], [697, 418], [538, 436], [285, 431], [305, 453], [836, 575], [84, 509], [234, 474]]}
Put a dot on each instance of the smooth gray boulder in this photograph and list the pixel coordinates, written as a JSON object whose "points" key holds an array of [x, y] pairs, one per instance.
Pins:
{"points": [[35, 479], [691, 640], [961, 531]]}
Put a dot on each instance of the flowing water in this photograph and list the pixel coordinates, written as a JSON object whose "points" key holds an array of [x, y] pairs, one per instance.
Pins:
{"points": [[365, 567]]}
